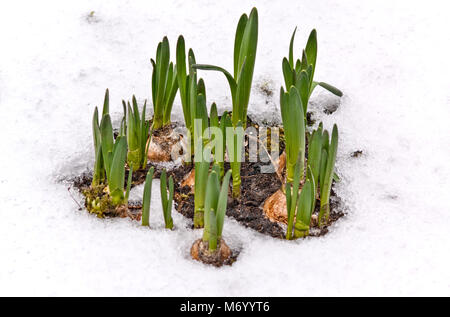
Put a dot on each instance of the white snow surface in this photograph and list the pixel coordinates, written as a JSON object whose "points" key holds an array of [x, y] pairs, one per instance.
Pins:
{"points": [[391, 61]]}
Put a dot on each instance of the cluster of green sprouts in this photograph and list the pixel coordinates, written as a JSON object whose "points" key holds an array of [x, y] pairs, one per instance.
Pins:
{"points": [[209, 141], [315, 171], [240, 83], [188, 85], [309, 168], [301, 74], [110, 159], [137, 129], [164, 85], [216, 196], [299, 206], [166, 201], [318, 180]]}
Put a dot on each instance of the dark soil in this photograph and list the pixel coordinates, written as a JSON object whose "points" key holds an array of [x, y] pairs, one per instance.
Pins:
{"points": [[266, 90], [310, 118], [255, 188], [357, 153], [248, 211]]}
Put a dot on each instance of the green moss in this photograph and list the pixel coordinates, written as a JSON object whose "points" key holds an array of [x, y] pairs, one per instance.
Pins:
{"points": [[98, 201]]}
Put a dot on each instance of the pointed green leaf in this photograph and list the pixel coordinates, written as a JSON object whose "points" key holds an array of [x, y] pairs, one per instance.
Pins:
{"points": [[96, 130], [311, 50], [314, 154], [302, 86], [331, 161], [210, 196], [107, 141], [291, 52], [163, 188], [304, 204], [304, 64], [212, 242], [117, 172], [213, 116], [129, 181], [222, 203], [238, 41], [288, 74], [146, 200], [106, 103], [181, 69], [168, 210]]}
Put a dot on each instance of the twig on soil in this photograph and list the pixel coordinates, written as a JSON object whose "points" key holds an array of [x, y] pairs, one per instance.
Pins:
{"points": [[270, 157], [68, 189]]}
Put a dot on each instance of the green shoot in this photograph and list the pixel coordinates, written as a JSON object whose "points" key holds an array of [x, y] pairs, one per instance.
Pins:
{"points": [[201, 176], [116, 175], [215, 207], [240, 82], [115, 154], [291, 197], [106, 103], [294, 131], [299, 207], [164, 85], [234, 142], [187, 82], [205, 144], [137, 134], [315, 153], [147, 197], [218, 137], [167, 201], [99, 168], [219, 154], [328, 160], [304, 211], [301, 74], [202, 160], [109, 168], [107, 142], [123, 123]]}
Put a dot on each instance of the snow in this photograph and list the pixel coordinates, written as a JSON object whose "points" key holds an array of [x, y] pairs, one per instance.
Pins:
{"points": [[390, 59]]}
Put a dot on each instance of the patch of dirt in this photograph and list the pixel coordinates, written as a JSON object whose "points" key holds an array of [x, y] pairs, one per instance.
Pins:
{"points": [[310, 118], [266, 89], [255, 188], [183, 198], [357, 153], [330, 108]]}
